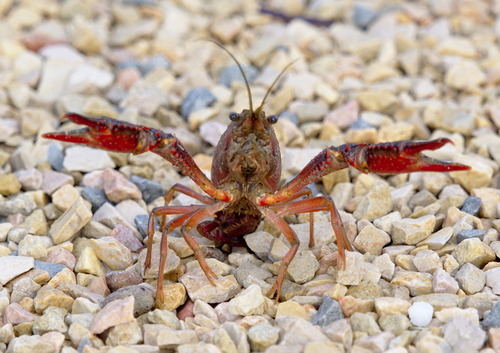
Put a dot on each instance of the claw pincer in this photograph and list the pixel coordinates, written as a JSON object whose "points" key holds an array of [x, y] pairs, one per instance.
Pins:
{"points": [[397, 157]]}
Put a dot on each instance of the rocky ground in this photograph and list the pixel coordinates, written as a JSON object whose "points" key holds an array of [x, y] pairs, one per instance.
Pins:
{"points": [[424, 276]]}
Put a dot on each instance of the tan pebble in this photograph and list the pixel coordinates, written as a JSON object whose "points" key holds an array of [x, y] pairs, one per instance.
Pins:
{"points": [[88, 262], [9, 184], [64, 197], [174, 295]]}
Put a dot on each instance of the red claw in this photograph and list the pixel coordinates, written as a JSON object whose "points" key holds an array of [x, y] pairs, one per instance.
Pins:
{"points": [[399, 157], [106, 133]]}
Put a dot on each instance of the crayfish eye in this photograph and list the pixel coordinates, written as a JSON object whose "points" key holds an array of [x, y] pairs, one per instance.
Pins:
{"points": [[234, 116], [272, 119]]}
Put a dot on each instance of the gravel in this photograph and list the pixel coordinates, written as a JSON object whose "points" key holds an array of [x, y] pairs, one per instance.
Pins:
{"points": [[73, 219]]}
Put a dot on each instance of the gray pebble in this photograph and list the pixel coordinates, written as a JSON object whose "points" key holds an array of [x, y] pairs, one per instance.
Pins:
{"points": [[143, 294], [141, 223], [157, 61], [197, 98], [52, 269], [363, 16], [55, 157], [360, 125], [151, 190], [472, 205], [232, 73], [97, 197], [470, 233], [492, 318], [328, 312]]}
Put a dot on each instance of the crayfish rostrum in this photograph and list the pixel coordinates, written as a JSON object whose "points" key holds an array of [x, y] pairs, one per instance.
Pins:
{"points": [[244, 186]]}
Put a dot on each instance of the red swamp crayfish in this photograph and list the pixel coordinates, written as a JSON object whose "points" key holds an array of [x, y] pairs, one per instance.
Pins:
{"points": [[244, 186]]}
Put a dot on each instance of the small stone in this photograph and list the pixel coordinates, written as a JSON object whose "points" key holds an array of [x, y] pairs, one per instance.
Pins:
{"points": [[50, 268], [86, 159], [114, 313], [172, 263], [198, 287], [437, 240], [15, 314], [13, 266], [418, 283], [97, 197], [365, 323], [309, 111], [385, 266], [262, 335], [344, 116], [301, 332], [150, 190], [125, 334], [411, 231], [197, 98], [51, 320], [70, 222], [420, 313], [391, 306], [492, 319], [473, 251], [465, 75], [396, 324], [84, 306], [303, 267], [292, 308], [27, 343], [469, 234], [35, 223], [117, 187], [448, 314], [119, 279], [24, 204], [352, 274], [328, 312], [174, 295], [55, 157], [125, 236], [34, 246], [251, 301], [378, 101], [472, 205], [463, 335], [376, 203], [9, 184], [55, 180], [371, 240], [167, 338], [443, 282], [143, 294], [48, 296], [493, 279], [231, 74], [113, 253], [260, 243], [164, 317], [64, 197], [63, 257], [427, 261], [88, 262]]}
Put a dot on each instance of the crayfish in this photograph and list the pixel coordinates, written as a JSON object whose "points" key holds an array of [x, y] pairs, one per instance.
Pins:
{"points": [[245, 177]]}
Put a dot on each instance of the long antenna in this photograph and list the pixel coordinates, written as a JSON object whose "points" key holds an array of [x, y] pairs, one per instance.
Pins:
{"points": [[273, 84], [241, 70]]}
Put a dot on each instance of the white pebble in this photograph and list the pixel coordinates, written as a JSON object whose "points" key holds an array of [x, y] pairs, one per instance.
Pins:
{"points": [[420, 314]]}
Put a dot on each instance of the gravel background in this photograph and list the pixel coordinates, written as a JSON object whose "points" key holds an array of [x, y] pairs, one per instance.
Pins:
{"points": [[425, 276]]}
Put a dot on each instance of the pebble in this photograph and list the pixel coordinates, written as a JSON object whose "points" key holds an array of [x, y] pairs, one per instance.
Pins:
{"points": [[420, 314], [143, 294], [465, 75], [9, 184], [198, 287], [469, 234], [112, 252], [167, 338], [35, 223], [150, 190], [70, 222], [472, 205], [473, 251], [86, 159], [63, 257], [51, 320], [443, 282], [55, 180], [117, 188], [262, 336], [328, 312], [13, 266], [197, 98], [371, 240], [97, 197], [303, 267], [116, 312], [64, 197], [351, 275], [463, 335], [23, 204], [411, 231], [48, 296], [375, 204], [251, 301], [231, 74], [493, 279]]}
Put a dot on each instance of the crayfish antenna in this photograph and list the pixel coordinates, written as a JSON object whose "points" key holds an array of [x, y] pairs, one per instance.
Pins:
{"points": [[273, 84], [241, 70]]}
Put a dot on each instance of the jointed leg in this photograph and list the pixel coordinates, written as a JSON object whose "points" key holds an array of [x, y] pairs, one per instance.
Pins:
{"points": [[294, 243], [186, 191], [163, 211], [303, 192], [320, 203]]}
